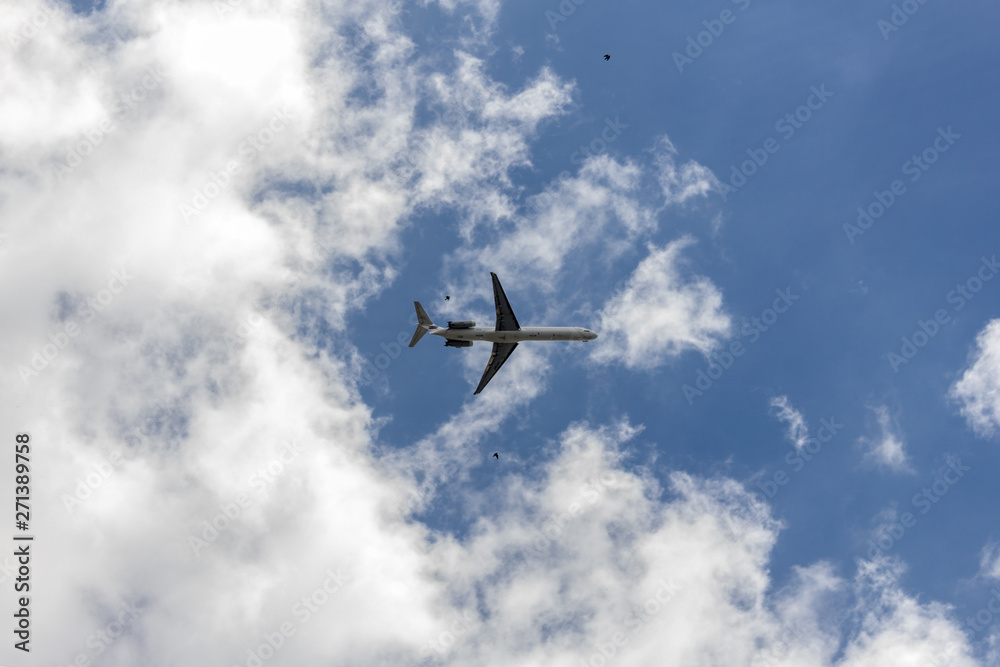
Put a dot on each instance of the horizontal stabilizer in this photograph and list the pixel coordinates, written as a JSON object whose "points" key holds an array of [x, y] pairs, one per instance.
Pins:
{"points": [[421, 315], [417, 335], [423, 324]]}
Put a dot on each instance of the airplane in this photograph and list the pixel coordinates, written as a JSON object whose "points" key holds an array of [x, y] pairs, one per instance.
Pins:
{"points": [[505, 337]]}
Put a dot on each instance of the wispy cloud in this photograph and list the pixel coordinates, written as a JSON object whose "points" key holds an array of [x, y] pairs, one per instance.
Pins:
{"points": [[661, 313], [681, 182], [886, 450], [797, 431]]}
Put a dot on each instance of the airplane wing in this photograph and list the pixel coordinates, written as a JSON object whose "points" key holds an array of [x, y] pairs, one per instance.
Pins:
{"points": [[505, 315], [500, 350]]}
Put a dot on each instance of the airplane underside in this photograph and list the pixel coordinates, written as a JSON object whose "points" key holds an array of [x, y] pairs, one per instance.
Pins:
{"points": [[505, 337], [527, 334]]}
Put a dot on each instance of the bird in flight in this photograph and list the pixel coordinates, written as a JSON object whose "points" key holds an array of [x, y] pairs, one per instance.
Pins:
{"points": [[496, 456], [607, 56], [447, 298]]}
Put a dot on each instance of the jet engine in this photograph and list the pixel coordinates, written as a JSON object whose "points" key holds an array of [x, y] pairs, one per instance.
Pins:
{"points": [[461, 324], [458, 343]]}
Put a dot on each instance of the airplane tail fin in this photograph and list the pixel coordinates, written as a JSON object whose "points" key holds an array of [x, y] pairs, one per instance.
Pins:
{"points": [[423, 323]]}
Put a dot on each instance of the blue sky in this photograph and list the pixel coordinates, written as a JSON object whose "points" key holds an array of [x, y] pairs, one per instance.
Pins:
{"points": [[783, 229], [423, 146]]}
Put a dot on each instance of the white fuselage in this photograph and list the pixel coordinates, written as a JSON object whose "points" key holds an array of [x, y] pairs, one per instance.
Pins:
{"points": [[489, 335]]}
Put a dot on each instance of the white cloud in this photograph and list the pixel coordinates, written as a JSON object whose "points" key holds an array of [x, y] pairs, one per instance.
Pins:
{"points": [[575, 214], [660, 313], [797, 431], [602, 208], [887, 449], [681, 182], [588, 561], [192, 376], [201, 401], [978, 390], [480, 31], [442, 456], [896, 629]]}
